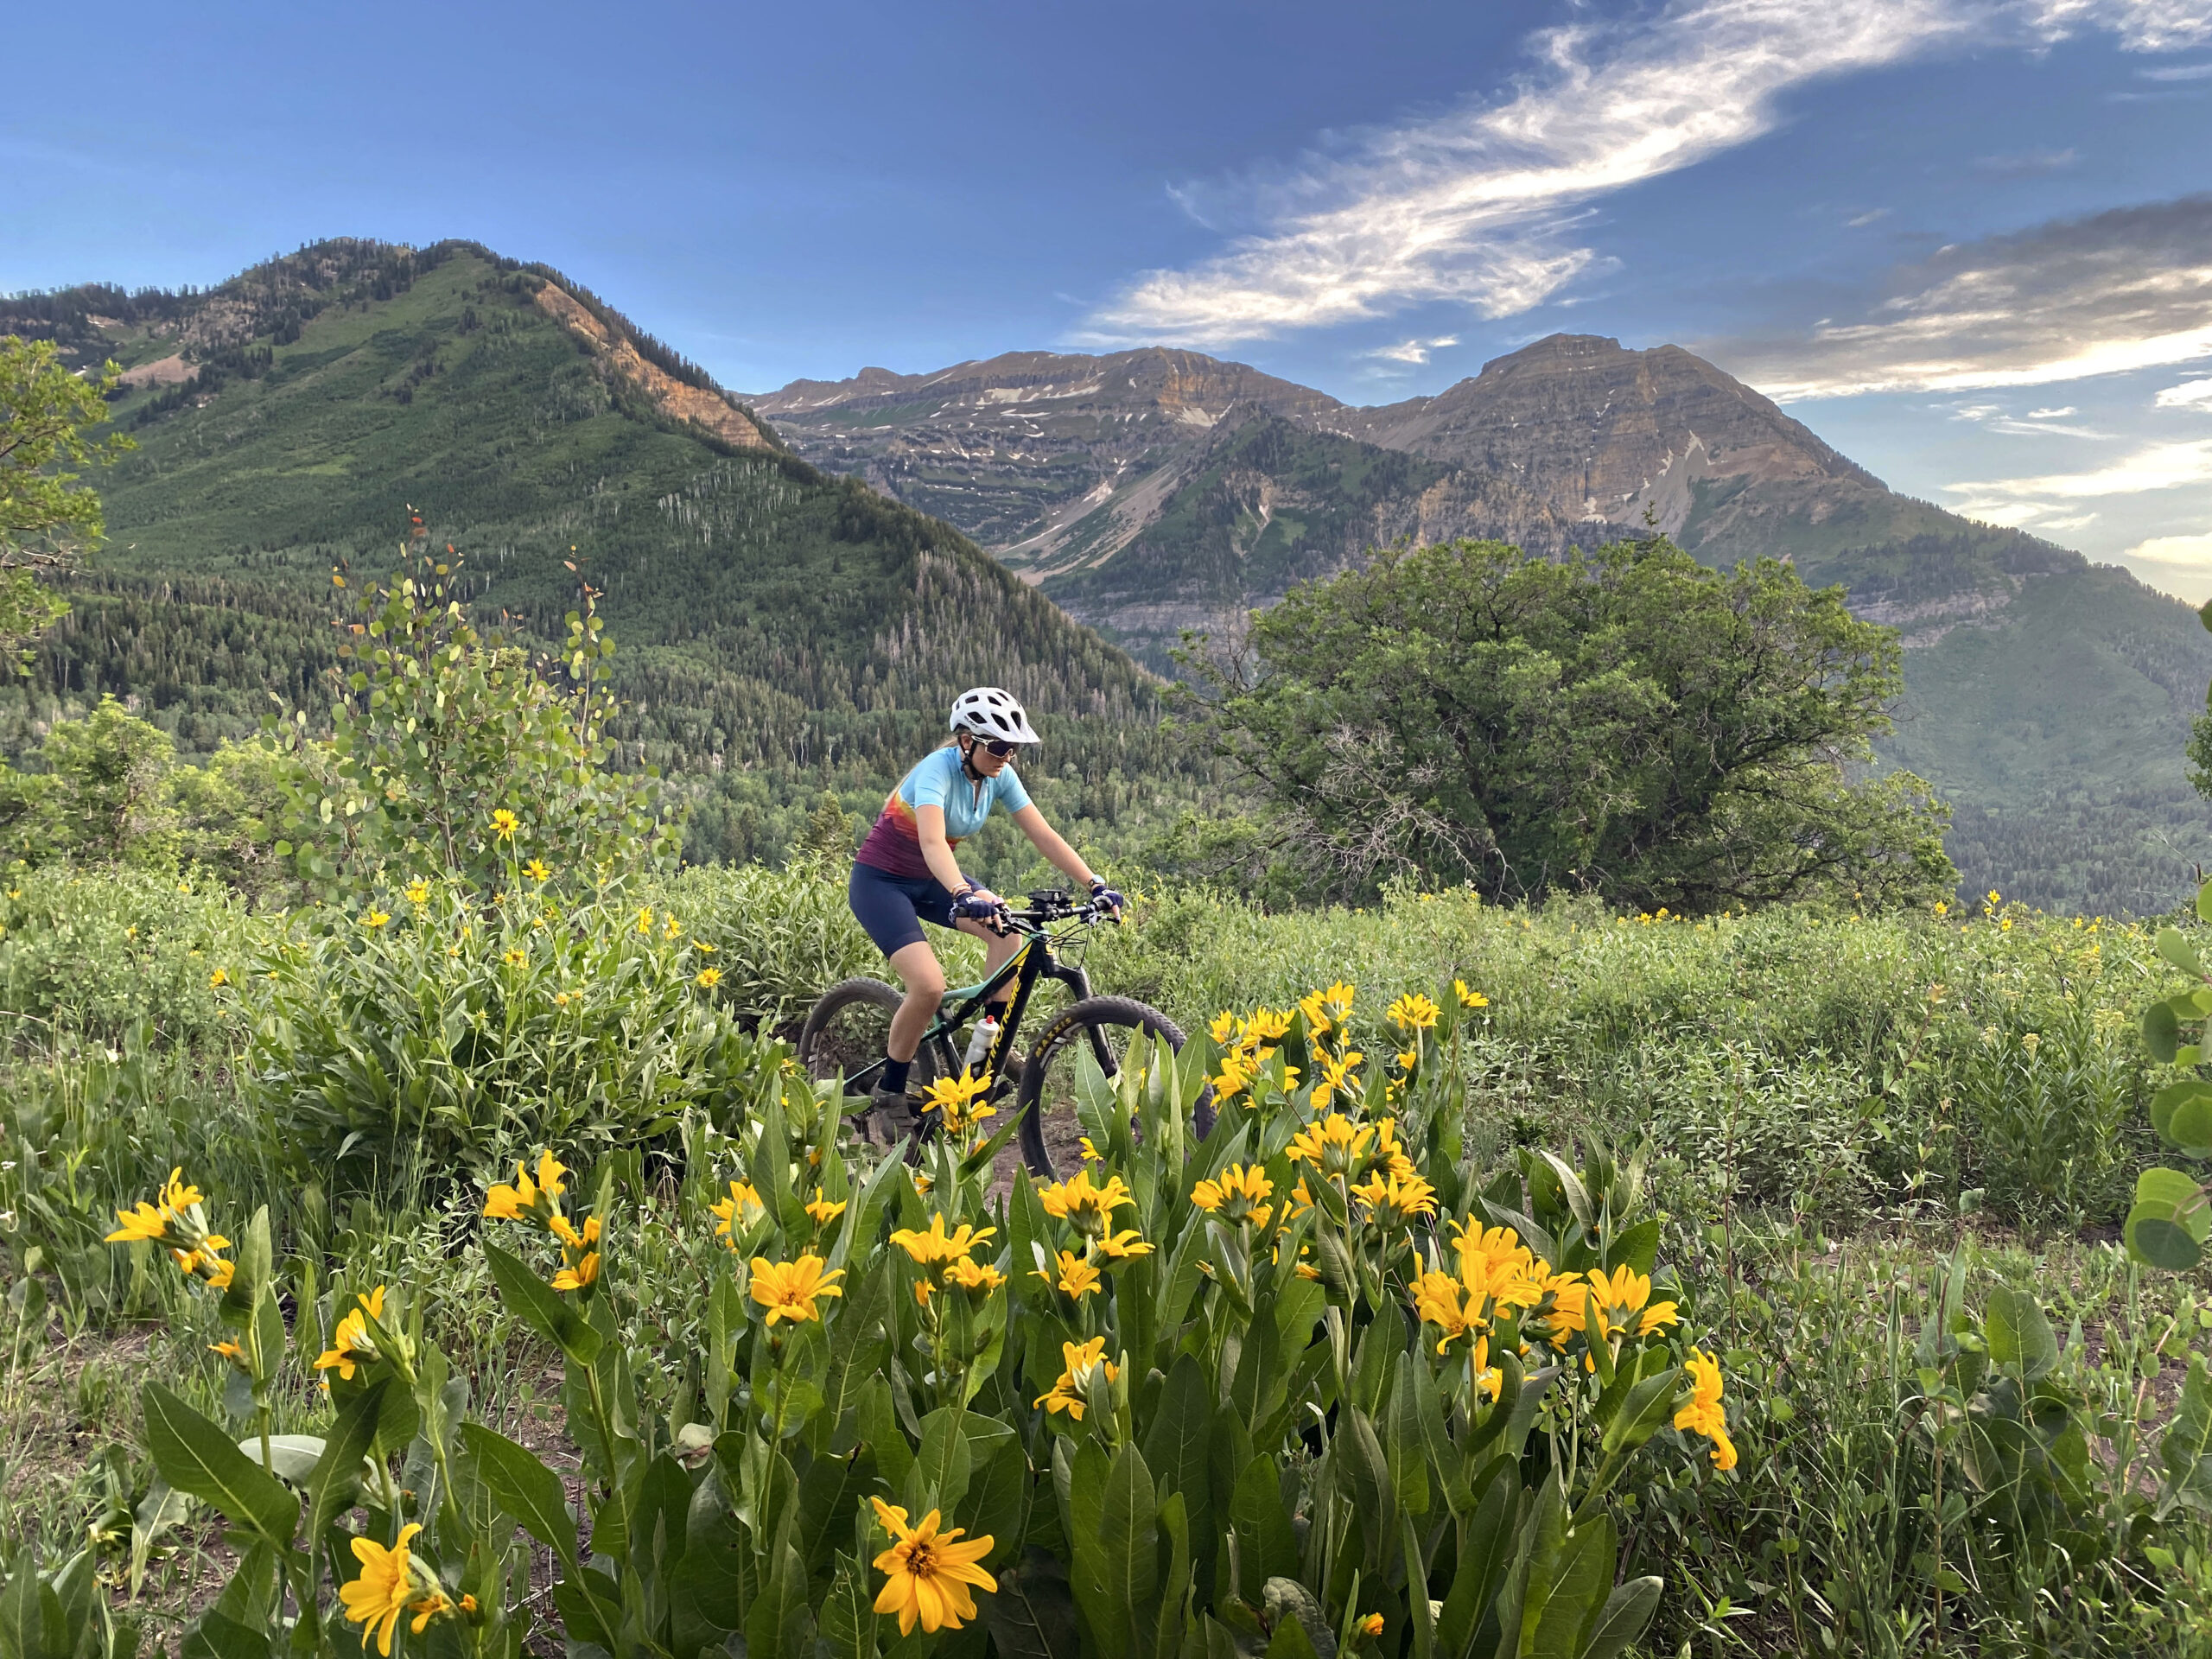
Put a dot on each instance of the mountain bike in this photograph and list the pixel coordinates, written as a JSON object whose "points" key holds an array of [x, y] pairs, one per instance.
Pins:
{"points": [[844, 1032]]}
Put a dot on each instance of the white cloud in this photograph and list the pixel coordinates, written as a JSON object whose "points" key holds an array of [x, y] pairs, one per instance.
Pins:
{"points": [[2189, 394], [2180, 564], [2194, 552], [1413, 351], [2048, 501], [2130, 289], [1866, 218], [2049, 414], [1476, 207]]}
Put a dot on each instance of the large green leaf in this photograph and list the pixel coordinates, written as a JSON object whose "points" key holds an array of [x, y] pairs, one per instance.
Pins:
{"points": [[828, 1493], [1405, 1442], [337, 1473], [194, 1456], [858, 1344], [1176, 1444], [1622, 1619], [1577, 1591], [2161, 1032], [525, 1488], [540, 1305], [1032, 1616], [1267, 1542], [215, 1635], [1128, 1533], [2186, 1448], [849, 1618], [2018, 1333], [2175, 948], [1490, 1539]]}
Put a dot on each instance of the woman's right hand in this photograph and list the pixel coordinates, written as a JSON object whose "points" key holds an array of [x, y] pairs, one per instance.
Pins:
{"points": [[981, 903]]}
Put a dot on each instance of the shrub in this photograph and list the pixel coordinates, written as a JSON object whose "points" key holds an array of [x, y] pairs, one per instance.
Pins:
{"points": [[430, 1035]]}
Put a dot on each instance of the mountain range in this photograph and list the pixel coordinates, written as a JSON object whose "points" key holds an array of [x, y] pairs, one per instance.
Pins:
{"points": [[779, 631], [800, 579], [1148, 492]]}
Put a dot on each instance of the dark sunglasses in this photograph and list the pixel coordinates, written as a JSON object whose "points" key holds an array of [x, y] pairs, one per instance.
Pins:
{"points": [[997, 748]]}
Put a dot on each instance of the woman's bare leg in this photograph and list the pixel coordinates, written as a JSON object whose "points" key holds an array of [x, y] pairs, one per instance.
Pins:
{"points": [[916, 964]]}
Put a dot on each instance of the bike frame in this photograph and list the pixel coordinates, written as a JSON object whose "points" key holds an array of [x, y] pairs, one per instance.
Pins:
{"points": [[1032, 963]]}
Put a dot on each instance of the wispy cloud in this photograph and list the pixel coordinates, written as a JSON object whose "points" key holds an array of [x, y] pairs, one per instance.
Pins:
{"points": [[2178, 71], [2025, 163], [2126, 289], [2040, 422], [2049, 501], [2189, 394], [1479, 206], [1412, 352], [1865, 218]]}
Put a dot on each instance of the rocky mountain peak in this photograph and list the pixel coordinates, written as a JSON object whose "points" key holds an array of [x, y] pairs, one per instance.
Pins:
{"points": [[1605, 432]]}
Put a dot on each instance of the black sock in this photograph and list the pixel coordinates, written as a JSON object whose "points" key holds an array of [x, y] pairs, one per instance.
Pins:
{"points": [[893, 1080]]}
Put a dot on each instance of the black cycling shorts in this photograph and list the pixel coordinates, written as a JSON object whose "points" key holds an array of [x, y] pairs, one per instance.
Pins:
{"points": [[892, 908]]}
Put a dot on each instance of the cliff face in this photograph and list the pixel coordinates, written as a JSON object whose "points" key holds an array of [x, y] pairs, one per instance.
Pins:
{"points": [[1015, 450], [1602, 433], [1264, 504]]}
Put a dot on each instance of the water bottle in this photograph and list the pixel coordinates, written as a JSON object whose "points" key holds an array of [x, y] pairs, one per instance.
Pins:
{"points": [[979, 1044]]}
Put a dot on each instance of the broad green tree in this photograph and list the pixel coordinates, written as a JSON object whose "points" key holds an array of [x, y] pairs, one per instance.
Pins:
{"points": [[48, 515], [1625, 722]]}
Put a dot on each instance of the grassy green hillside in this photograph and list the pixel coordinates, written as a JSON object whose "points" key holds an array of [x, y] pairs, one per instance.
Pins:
{"points": [[781, 630]]}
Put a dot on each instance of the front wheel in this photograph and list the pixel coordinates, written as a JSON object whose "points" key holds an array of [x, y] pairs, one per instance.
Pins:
{"points": [[1104, 1027]]}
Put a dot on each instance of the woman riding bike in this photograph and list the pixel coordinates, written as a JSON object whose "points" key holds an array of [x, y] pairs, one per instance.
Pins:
{"points": [[905, 873]]}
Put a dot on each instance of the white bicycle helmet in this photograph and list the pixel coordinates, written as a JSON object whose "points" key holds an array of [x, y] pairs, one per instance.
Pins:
{"points": [[990, 713]]}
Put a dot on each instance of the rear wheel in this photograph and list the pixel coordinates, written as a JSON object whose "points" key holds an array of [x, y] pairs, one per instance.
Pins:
{"points": [[1105, 1027], [845, 1032]]}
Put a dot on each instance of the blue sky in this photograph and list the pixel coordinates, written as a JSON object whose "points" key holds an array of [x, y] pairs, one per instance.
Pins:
{"points": [[1957, 236]]}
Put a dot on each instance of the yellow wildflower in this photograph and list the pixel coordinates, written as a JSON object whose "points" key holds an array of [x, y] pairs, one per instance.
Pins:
{"points": [[1079, 1360], [792, 1290], [418, 892], [825, 1209], [936, 1249], [1125, 1246], [1468, 999], [736, 1211], [382, 1592], [350, 1345], [218, 977], [1077, 1277], [1414, 1012], [504, 824], [955, 1101], [927, 1573], [1238, 1193], [1084, 1205], [376, 918], [1704, 1415], [1333, 1145], [710, 978], [1392, 1200], [536, 870]]}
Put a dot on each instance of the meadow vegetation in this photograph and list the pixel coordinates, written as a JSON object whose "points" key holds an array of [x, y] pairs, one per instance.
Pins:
{"points": [[1879, 1164]]}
